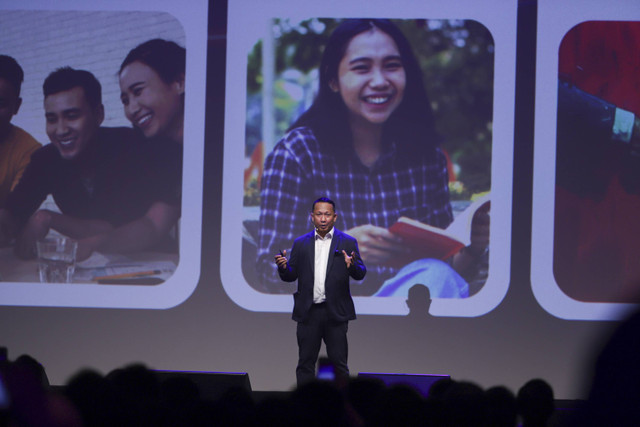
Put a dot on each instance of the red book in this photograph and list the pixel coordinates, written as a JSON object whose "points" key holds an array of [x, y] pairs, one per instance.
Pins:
{"points": [[427, 241]]}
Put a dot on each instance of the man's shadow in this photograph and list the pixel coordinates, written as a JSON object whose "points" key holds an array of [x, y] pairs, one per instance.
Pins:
{"points": [[419, 302]]}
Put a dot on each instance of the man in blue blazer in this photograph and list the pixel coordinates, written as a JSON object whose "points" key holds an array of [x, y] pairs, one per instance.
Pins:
{"points": [[322, 261]]}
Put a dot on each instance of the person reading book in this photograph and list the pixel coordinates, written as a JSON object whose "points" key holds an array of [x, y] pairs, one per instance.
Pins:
{"points": [[369, 143]]}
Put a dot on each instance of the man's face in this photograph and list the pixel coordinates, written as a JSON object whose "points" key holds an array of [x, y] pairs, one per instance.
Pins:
{"points": [[323, 217], [71, 122], [9, 105]]}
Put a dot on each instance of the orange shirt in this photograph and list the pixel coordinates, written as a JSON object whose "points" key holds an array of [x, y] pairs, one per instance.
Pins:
{"points": [[15, 154]]}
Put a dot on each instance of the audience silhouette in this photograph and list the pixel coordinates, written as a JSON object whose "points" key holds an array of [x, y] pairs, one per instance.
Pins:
{"points": [[614, 398], [535, 403], [502, 409], [134, 395]]}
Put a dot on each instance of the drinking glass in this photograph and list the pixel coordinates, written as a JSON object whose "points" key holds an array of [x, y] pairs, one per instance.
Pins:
{"points": [[56, 259]]}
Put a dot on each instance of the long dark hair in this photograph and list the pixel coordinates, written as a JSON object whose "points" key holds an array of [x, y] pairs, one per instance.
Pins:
{"points": [[411, 126]]}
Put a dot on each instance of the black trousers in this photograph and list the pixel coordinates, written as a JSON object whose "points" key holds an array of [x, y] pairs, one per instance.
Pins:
{"points": [[311, 333]]}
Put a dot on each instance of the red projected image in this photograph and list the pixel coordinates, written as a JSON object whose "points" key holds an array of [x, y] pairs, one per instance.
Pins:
{"points": [[596, 245], [390, 119]]}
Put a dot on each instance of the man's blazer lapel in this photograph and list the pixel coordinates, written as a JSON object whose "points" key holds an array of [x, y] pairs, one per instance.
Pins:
{"points": [[311, 251], [332, 250]]}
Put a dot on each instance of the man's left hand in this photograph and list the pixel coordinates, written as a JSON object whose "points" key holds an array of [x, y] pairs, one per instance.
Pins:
{"points": [[349, 260]]}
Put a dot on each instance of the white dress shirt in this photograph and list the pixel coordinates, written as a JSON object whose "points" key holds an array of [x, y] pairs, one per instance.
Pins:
{"points": [[321, 260]]}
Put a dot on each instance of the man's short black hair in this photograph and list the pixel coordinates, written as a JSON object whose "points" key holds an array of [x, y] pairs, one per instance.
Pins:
{"points": [[12, 72], [324, 200], [66, 78]]}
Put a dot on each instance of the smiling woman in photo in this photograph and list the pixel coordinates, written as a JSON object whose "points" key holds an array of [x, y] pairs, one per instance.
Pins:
{"points": [[369, 143], [152, 92], [152, 89]]}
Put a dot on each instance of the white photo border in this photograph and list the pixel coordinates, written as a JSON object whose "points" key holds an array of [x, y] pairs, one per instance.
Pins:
{"points": [[246, 19], [176, 289], [555, 20]]}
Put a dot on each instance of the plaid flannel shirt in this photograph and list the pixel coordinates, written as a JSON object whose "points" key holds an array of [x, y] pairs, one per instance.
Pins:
{"points": [[297, 172]]}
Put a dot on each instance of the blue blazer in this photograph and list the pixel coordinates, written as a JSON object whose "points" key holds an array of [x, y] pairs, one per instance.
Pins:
{"points": [[301, 267]]}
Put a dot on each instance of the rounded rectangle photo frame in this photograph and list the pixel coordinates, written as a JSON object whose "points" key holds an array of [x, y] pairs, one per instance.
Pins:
{"points": [[97, 38], [574, 272], [257, 35]]}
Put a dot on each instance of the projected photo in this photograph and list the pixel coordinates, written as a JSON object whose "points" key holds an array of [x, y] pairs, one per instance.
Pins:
{"points": [[392, 120], [597, 195], [93, 148]]}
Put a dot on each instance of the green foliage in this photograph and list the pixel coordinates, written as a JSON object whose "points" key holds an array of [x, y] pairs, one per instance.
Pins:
{"points": [[252, 193], [457, 60], [254, 75], [301, 46]]}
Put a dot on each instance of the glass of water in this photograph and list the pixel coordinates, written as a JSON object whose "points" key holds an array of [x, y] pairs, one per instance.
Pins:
{"points": [[56, 259]]}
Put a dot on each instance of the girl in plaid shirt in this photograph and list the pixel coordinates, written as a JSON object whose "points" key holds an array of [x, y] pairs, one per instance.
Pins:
{"points": [[369, 143]]}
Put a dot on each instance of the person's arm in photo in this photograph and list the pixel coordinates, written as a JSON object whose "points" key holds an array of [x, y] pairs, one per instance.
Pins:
{"points": [[582, 114], [581, 110], [76, 228], [138, 235], [470, 256], [22, 204], [44, 220], [466, 261], [377, 244], [588, 130]]}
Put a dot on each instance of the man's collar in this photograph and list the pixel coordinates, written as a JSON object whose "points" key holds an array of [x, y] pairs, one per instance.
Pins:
{"points": [[329, 234]]}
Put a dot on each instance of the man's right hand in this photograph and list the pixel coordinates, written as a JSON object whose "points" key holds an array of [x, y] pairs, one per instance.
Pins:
{"points": [[377, 244], [281, 260]]}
